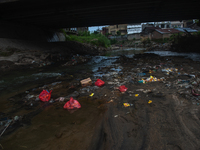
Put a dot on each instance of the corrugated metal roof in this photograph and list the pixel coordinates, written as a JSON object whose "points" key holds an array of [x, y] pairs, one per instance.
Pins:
{"points": [[187, 29], [167, 31]]}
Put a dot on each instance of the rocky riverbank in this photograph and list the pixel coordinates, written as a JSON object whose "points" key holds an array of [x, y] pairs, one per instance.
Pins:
{"points": [[18, 54]]}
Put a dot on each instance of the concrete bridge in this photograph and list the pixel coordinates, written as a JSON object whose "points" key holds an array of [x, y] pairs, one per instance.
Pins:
{"points": [[74, 13]]}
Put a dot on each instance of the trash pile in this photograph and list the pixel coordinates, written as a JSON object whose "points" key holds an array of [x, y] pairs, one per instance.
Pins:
{"points": [[77, 59], [158, 46]]}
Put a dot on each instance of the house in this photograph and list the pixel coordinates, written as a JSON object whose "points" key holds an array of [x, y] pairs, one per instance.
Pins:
{"points": [[163, 24], [104, 30], [163, 33], [114, 28], [135, 36], [134, 28], [76, 30], [194, 26], [187, 30], [147, 31], [176, 24]]}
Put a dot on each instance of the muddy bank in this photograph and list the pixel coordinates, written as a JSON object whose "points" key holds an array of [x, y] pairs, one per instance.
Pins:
{"points": [[163, 113]]}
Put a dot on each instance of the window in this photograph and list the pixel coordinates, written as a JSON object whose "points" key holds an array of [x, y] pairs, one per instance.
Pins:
{"points": [[162, 25]]}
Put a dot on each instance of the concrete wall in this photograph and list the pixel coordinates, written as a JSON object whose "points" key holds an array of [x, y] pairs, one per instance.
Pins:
{"points": [[132, 36], [18, 31]]}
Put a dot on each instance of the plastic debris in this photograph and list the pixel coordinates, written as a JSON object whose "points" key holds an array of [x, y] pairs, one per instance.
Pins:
{"points": [[123, 88], [140, 90], [91, 94], [194, 93], [126, 104], [136, 95], [45, 96], [86, 82], [150, 101], [115, 116], [60, 99], [99, 82], [72, 104], [147, 91]]}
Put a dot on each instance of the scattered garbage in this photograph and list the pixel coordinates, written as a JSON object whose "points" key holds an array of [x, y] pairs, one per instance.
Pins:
{"points": [[116, 116], [99, 82], [147, 91], [140, 90], [136, 95], [122, 88], [72, 104], [110, 101], [91, 94], [60, 99], [150, 101], [194, 93], [86, 82], [45, 96], [126, 104]]}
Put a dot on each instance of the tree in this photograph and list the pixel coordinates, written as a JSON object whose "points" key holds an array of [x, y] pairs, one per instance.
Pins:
{"points": [[118, 33]]}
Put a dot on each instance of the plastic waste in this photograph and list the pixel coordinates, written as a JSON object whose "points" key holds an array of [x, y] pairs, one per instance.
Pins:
{"points": [[72, 104], [45, 95], [60, 99], [147, 91], [91, 94], [99, 82], [86, 82], [150, 101], [136, 95], [126, 104], [123, 88], [194, 93]]}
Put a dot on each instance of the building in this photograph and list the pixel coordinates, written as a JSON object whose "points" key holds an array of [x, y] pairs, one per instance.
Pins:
{"points": [[134, 28], [76, 30], [163, 24], [163, 33], [104, 30], [144, 25], [176, 24], [187, 30], [114, 28], [147, 31], [194, 26]]}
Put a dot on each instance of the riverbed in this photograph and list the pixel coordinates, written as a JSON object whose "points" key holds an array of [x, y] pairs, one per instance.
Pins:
{"points": [[170, 122]]}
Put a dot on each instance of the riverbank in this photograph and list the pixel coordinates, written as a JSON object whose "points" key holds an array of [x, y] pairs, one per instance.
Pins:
{"points": [[21, 54]]}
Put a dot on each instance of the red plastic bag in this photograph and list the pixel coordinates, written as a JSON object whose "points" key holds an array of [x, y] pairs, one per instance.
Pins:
{"points": [[72, 104], [99, 82], [123, 88], [45, 96]]}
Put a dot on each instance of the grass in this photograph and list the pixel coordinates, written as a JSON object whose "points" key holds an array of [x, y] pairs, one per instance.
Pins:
{"points": [[86, 37]]}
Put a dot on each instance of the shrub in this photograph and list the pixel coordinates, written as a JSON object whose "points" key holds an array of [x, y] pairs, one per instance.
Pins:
{"points": [[113, 41]]}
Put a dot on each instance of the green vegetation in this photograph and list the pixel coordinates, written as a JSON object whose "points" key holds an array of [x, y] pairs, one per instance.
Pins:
{"points": [[113, 41], [85, 37], [118, 33]]}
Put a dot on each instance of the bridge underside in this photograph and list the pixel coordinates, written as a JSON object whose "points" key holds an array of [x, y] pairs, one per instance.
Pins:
{"points": [[74, 13]]}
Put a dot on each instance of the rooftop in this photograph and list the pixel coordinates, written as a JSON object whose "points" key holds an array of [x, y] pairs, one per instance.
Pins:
{"points": [[167, 31]]}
